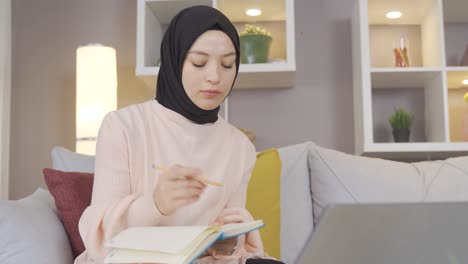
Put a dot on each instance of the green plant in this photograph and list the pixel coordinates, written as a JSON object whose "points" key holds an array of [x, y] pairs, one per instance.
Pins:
{"points": [[254, 30], [400, 119]]}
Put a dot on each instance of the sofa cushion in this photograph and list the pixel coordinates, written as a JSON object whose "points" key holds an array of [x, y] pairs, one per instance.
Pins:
{"points": [[338, 177], [31, 231], [67, 160], [296, 201], [266, 204], [72, 194]]}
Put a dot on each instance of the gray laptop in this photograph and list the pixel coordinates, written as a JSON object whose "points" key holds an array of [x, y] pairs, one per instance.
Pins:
{"points": [[426, 233]]}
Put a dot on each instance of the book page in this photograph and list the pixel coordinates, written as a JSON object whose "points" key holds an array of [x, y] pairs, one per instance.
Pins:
{"points": [[236, 229], [119, 255], [139, 256], [168, 239]]}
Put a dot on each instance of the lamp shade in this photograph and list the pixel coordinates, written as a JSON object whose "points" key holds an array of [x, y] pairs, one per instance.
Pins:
{"points": [[96, 92]]}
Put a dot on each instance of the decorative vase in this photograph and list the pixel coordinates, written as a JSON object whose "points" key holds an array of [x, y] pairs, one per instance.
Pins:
{"points": [[401, 53], [464, 61], [401, 134], [254, 48]]}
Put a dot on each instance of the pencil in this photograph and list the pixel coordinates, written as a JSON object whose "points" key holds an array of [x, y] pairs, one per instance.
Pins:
{"points": [[202, 180]]}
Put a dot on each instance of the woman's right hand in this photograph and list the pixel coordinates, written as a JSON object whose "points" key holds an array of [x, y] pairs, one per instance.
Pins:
{"points": [[174, 190]]}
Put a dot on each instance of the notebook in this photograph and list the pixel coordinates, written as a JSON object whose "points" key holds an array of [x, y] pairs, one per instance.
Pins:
{"points": [[390, 234], [170, 244]]}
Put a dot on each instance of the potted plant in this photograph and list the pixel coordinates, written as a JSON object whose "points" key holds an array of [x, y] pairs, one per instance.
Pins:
{"points": [[401, 121], [255, 44]]}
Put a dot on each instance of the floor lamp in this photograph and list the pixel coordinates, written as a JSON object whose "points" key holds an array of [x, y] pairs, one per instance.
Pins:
{"points": [[96, 92]]}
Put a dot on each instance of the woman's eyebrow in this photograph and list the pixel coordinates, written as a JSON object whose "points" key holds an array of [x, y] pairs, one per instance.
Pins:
{"points": [[230, 54], [206, 54], [198, 52]]}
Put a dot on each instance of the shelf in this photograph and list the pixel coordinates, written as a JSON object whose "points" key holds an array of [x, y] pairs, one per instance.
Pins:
{"points": [[403, 70], [277, 17], [407, 77], [417, 147], [430, 89], [416, 151], [457, 68]]}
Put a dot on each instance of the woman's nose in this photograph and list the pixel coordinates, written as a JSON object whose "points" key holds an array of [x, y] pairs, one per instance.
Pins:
{"points": [[213, 75]]}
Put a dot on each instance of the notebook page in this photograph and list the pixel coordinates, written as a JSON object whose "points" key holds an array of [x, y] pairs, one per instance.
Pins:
{"points": [[132, 256], [210, 240], [169, 239], [137, 256]]}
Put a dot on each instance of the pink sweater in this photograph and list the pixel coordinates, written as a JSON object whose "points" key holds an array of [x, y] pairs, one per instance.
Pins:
{"points": [[131, 143]]}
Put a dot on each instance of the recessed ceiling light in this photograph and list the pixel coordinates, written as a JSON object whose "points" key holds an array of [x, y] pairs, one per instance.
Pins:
{"points": [[465, 82], [253, 12], [393, 14]]}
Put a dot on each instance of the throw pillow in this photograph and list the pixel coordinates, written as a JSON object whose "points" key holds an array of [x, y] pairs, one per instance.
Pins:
{"points": [[72, 194], [67, 160], [263, 198], [337, 177], [31, 231]]}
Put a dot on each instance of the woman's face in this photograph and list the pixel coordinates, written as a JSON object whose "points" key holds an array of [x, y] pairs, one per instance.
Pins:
{"points": [[209, 69]]}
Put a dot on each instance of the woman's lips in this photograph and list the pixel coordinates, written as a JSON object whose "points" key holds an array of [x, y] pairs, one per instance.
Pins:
{"points": [[210, 93]]}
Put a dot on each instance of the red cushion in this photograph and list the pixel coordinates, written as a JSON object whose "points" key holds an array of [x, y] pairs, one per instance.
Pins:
{"points": [[72, 194]]}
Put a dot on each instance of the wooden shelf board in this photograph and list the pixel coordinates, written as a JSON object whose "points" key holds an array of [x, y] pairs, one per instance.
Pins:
{"points": [[407, 77]]}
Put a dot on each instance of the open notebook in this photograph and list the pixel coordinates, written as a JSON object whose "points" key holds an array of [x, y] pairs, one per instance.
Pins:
{"points": [[170, 244]]}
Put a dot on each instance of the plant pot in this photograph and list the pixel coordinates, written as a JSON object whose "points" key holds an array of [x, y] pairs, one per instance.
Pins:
{"points": [[401, 134], [254, 48]]}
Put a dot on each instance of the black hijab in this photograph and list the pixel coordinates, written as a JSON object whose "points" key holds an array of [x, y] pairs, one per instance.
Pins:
{"points": [[183, 30]]}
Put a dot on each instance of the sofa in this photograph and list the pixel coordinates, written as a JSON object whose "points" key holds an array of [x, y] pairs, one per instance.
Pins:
{"points": [[311, 178]]}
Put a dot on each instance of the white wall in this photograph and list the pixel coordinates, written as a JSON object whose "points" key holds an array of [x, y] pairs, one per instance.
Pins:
{"points": [[5, 94], [45, 35]]}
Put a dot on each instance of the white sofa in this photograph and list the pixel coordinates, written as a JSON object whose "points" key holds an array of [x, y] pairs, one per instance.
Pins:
{"points": [[311, 178]]}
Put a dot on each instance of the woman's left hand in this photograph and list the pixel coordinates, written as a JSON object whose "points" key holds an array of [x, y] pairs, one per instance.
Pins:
{"points": [[229, 245]]}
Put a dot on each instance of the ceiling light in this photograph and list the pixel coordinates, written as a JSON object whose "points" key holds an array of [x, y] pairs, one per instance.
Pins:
{"points": [[253, 12], [393, 14], [465, 82]]}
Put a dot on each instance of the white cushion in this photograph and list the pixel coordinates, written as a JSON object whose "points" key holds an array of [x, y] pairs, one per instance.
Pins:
{"points": [[338, 177], [31, 232], [67, 160], [296, 202]]}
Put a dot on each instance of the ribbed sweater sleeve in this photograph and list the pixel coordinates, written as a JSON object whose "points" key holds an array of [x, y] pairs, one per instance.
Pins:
{"points": [[114, 206]]}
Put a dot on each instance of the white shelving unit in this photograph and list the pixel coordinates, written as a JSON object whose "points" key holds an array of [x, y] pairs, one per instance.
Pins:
{"points": [[277, 16], [431, 87]]}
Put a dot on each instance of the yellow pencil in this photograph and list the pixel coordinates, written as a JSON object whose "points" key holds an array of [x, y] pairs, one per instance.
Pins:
{"points": [[202, 180]]}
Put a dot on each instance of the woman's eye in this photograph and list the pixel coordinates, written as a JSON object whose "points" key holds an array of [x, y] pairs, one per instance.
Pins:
{"points": [[227, 66], [198, 65]]}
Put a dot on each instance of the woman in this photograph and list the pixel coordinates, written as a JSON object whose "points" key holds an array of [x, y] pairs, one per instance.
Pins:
{"points": [[145, 152]]}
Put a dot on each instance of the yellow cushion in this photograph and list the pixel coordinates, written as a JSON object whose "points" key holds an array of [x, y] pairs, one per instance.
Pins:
{"points": [[263, 198]]}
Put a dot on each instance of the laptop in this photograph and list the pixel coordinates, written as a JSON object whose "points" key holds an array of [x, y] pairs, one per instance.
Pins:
{"points": [[426, 233]]}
